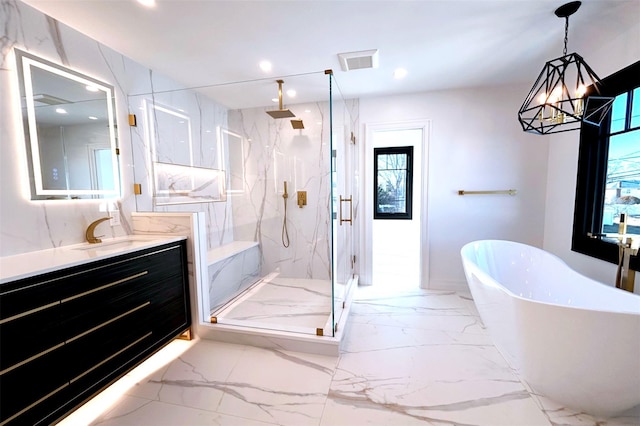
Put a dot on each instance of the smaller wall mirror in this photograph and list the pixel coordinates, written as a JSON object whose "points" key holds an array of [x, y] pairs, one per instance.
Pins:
{"points": [[179, 175], [70, 131]]}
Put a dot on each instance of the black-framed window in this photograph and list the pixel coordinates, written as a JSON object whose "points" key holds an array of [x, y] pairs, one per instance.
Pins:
{"points": [[608, 182], [393, 182]]}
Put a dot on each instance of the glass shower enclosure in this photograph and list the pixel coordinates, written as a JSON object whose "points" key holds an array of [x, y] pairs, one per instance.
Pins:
{"points": [[272, 164]]}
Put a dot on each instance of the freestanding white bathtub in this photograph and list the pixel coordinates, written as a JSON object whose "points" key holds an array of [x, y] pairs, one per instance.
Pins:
{"points": [[572, 339]]}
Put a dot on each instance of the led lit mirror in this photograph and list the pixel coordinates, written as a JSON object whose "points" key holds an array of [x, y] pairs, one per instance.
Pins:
{"points": [[70, 131]]}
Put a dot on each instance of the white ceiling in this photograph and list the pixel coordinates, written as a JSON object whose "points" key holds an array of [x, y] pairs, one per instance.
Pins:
{"points": [[443, 44]]}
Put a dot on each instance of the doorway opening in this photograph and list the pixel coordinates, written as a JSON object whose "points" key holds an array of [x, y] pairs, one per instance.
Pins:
{"points": [[395, 206]]}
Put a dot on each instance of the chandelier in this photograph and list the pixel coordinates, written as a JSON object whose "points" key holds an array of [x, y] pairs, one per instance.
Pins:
{"points": [[566, 93]]}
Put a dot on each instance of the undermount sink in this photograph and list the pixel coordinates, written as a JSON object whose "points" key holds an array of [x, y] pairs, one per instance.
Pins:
{"points": [[112, 245]]}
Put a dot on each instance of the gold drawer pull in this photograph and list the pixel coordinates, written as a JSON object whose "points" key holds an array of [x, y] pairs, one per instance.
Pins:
{"points": [[50, 305], [29, 312], [99, 326], [132, 277], [23, 362], [110, 358], [53, 392], [59, 345]]}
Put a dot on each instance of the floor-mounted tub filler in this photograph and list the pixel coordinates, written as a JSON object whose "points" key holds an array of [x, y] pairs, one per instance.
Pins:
{"points": [[572, 339]]}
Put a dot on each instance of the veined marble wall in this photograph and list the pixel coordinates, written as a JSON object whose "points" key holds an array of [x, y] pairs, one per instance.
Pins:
{"points": [[27, 225], [275, 153]]}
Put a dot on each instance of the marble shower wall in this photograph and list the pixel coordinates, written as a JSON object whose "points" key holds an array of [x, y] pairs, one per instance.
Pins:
{"points": [[274, 152]]}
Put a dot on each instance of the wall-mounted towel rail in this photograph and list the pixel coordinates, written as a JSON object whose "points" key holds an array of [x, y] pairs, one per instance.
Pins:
{"points": [[505, 192]]}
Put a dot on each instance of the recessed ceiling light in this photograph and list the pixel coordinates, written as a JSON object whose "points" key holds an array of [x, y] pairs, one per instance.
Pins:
{"points": [[265, 66], [399, 73], [91, 117], [61, 110], [291, 93], [276, 100], [147, 3]]}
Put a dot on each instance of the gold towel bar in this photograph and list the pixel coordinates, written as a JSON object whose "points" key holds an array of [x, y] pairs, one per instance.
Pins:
{"points": [[505, 192]]}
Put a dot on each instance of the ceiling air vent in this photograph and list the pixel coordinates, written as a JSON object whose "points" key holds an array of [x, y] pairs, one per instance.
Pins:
{"points": [[358, 60]]}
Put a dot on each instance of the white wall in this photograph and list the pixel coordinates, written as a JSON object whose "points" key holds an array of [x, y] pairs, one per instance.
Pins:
{"points": [[476, 143], [563, 162]]}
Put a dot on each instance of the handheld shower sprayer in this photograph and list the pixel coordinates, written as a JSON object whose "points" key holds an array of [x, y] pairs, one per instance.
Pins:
{"points": [[285, 231]]}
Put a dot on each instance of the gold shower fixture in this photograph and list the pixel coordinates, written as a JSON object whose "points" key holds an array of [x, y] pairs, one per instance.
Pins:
{"points": [[280, 112]]}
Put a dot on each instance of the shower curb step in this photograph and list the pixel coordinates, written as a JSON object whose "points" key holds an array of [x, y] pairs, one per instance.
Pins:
{"points": [[270, 339]]}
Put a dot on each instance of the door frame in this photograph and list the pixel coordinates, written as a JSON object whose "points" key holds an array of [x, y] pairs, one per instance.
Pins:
{"points": [[421, 155]]}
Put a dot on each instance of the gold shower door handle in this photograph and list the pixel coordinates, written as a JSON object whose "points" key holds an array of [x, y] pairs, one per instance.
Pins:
{"points": [[350, 201]]}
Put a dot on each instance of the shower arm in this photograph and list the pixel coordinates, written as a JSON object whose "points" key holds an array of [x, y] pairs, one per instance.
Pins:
{"points": [[280, 107]]}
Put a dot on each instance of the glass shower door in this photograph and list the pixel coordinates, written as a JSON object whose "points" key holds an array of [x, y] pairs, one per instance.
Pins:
{"points": [[342, 187]]}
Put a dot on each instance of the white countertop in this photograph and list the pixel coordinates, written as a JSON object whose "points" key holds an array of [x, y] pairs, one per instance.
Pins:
{"points": [[42, 261]]}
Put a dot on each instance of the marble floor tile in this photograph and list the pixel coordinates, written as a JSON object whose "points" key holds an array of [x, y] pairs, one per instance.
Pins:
{"points": [[409, 358], [279, 387], [138, 411], [197, 379]]}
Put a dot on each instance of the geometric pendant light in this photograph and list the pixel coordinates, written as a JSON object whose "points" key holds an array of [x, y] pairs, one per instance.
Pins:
{"points": [[566, 93]]}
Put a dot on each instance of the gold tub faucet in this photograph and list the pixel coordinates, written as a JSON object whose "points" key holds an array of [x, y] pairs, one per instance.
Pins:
{"points": [[92, 239]]}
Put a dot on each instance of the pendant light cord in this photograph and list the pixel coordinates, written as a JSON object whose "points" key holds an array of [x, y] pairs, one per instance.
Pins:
{"points": [[566, 35]]}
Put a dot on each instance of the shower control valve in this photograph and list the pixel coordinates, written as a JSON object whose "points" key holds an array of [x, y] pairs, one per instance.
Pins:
{"points": [[302, 198]]}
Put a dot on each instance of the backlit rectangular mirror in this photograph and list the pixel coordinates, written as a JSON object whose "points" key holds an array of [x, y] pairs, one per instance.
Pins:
{"points": [[70, 131]]}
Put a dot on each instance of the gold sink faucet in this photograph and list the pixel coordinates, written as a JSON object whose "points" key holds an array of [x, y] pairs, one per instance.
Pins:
{"points": [[92, 239]]}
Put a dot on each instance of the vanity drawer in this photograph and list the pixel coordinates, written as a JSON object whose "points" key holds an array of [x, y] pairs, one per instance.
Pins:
{"points": [[23, 386], [90, 352], [141, 268], [36, 333]]}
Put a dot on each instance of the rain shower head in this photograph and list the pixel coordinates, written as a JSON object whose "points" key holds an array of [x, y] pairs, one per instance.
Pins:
{"points": [[280, 112], [297, 124]]}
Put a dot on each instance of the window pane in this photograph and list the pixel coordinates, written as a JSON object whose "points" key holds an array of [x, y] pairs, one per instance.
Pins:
{"points": [[392, 161], [392, 191], [619, 113], [635, 109], [623, 183], [392, 177]]}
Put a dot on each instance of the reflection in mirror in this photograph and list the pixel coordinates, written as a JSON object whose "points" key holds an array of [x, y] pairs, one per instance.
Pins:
{"points": [[176, 179], [70, 132], [234, 145], [171, 136]]}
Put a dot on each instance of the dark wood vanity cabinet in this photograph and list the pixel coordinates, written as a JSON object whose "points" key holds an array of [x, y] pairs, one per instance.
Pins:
{"points": [[66, 335]]}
